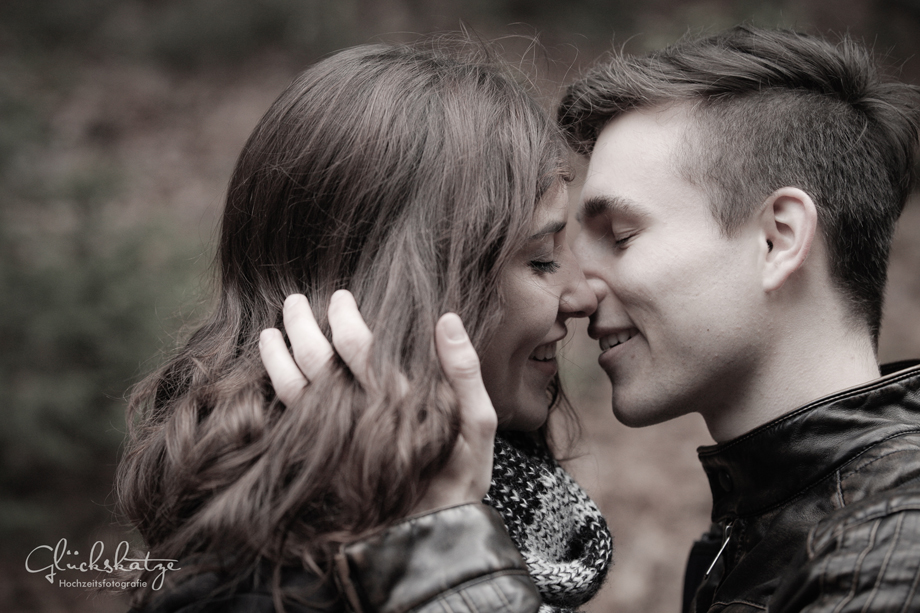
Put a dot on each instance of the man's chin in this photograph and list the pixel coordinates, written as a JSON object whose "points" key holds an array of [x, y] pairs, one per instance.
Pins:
{"points": [[633, 416]]}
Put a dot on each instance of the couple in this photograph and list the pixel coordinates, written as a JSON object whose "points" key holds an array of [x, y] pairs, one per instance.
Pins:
{"points": [[425, 185]]}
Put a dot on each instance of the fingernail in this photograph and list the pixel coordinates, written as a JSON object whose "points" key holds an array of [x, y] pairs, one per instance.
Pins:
{"points": [[292, 299], [339, 294], [453, 327]]}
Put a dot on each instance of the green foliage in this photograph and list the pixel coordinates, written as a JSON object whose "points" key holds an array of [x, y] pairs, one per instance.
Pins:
{"points": [[80, 304], [78, 322], [40, 25], [18, 125], [180, 33], [191, 34]]}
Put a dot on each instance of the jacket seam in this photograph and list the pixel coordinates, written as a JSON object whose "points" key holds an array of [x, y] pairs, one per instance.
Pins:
{"points": [[840, 490], [822, 580], [466, 600], [501, 594], [459, 589], [856, 570], [885, 561], [913, 591], [870, 463], [914, 506], [725, 603]]}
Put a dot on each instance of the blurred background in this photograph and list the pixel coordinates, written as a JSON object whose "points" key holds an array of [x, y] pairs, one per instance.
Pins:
{"points": [[120, 121]]}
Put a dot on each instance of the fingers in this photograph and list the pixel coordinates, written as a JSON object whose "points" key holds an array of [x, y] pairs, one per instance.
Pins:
{"points": [[461, 365], [312, 352], [290, 375], [350, 336], [285, 376], [311, 349]]}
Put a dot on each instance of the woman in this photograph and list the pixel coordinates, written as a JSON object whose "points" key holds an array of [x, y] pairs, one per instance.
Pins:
{"points": [[423, 184]]}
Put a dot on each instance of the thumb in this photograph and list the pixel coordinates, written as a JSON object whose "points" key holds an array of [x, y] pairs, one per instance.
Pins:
{"points": [[466, 476], [461, 365]]}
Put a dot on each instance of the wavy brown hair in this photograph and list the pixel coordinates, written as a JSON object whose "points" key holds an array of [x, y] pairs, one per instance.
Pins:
{"points": [[406, 175]]}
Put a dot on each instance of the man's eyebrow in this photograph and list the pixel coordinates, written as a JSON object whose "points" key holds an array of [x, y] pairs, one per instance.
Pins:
{"points": [[550, 228], [608, 205]]}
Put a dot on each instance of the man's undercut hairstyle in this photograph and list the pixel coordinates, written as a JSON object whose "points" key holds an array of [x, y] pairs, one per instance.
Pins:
{"points": [[771, 109]]}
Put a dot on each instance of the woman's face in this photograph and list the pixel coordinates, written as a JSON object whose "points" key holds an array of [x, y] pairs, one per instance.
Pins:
{"points": [[543, 287]]}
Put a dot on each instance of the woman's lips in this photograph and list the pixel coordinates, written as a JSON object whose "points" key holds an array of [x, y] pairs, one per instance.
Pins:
{"points": [[543, 358], [544, 352]]}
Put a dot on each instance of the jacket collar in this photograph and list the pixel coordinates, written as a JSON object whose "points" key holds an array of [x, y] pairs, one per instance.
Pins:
{"points": [[776, 462]]}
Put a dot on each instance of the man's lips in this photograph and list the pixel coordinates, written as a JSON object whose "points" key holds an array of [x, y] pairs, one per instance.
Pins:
{"points": [[617, 337]]}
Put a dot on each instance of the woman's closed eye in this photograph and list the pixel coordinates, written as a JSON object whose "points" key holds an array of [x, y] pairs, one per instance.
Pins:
{"points": [[544, 266]]}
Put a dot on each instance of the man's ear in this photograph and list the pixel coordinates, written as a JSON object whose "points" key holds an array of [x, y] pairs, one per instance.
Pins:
{"points": [[789, 221]]}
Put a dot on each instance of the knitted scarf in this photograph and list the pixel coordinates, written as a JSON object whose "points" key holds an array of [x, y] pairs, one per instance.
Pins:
{"points": [[558, 530]]}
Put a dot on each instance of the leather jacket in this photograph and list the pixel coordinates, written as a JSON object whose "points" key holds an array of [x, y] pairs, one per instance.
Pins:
{"points": [[818, 510], [456, 559]]}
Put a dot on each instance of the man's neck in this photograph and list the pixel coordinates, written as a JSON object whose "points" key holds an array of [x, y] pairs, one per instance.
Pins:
{"points": [[795, 374]]}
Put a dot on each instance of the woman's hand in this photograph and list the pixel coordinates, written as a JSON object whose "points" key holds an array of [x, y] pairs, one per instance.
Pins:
{"points": [[351, 338], [467, 475], [312, 351]]}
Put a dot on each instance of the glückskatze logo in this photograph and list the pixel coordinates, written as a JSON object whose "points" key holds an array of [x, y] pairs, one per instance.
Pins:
{"points": [[51, 560]]}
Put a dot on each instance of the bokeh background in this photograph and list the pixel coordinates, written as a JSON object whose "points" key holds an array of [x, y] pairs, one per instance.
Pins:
{"points": [[120, 121]]}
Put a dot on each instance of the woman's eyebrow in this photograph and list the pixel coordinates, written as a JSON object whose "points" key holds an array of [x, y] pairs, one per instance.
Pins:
{"points": [[608, 205], [550, 228]]}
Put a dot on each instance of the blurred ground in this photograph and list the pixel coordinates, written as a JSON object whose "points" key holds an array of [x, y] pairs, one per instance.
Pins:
{"points": [[139, 152]]}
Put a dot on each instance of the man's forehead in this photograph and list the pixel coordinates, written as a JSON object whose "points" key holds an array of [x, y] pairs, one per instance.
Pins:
{"points": [[641, 147], [660, 129]]}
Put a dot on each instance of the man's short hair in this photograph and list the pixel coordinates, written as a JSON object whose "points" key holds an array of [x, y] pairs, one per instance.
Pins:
{"points": [[775, 108]]}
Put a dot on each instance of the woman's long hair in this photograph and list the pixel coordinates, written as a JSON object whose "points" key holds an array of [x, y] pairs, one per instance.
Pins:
{"points": [[404, 175]]}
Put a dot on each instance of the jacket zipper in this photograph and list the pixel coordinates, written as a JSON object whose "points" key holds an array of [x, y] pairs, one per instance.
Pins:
{"points": [[726, 536]]}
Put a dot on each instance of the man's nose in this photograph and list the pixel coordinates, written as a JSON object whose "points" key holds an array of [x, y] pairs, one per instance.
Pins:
{"points": [[577, 299], [588, 266]]}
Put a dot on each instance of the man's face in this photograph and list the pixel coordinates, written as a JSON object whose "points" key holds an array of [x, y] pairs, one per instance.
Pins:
{"points": [[680, 306]]}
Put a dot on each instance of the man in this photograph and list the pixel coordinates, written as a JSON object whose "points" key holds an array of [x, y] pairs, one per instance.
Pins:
{"points": [[737, 216]]}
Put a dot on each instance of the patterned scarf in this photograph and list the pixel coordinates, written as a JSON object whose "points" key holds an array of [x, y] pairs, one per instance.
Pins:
{"points": [[556, 527]]}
